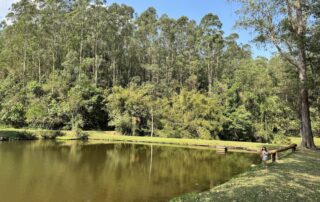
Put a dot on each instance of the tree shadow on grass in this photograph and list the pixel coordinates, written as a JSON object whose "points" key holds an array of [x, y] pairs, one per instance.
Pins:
{"points": [[7, 135]]}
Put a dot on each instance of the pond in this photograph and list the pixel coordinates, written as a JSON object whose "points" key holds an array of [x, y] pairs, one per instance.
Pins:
{"points": [[40, 171]]}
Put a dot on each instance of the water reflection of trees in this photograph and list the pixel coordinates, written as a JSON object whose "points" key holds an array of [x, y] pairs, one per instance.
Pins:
{"points": [[112, 171]]}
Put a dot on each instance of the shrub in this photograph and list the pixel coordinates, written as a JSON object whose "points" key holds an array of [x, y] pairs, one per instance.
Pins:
{"points": [[25, 135], [81, 135], [13, 114], [280, 138], [48, 135]]}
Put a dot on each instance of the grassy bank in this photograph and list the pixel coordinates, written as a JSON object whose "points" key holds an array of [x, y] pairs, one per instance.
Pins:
{"points": [[114, 136], [293, 178], [15, 134]]}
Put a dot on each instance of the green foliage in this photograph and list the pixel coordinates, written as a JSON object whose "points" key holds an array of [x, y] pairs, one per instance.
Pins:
{"points": [[26, 135], [85, 107], [193, 115], [37, 114], [128, 109], [186, 114], [281, 138], [13, 114], [238, 125], [81, 134], [81, 66], [47, 134]]}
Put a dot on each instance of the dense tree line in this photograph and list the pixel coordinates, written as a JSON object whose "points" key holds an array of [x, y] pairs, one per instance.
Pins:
{"points": [[90, 65]]}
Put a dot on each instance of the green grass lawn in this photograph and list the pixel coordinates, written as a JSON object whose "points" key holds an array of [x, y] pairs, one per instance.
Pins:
{"points": [[297, 140], [113, 136], [293, 178]]}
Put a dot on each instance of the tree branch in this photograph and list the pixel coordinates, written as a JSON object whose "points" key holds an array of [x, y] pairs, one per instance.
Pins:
{"points": [[285, 56], [294, 27], [271, 30]]}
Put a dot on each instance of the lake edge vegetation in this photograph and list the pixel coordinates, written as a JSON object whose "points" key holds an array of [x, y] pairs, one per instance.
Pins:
{"points": [[11, 134]]}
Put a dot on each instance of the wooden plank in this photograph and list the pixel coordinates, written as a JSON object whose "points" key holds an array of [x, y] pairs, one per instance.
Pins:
{"points": [[274, 153], [293, 147]]}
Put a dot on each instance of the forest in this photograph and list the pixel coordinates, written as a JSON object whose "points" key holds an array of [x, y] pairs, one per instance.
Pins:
{"points": [[90, 65]]}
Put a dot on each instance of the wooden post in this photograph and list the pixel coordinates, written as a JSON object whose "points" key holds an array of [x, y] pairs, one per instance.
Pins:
{"points": [[275, 153], [273, 156], [222, 150]]}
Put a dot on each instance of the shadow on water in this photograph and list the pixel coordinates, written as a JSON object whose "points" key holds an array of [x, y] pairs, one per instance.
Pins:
{"points": [[77, 171]]}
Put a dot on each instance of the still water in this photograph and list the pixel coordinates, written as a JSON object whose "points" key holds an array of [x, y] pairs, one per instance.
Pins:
{"points": [[40, 171]]}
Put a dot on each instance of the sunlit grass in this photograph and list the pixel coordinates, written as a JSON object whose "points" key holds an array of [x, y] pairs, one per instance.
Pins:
{"points": [[297, 140], [114, 136]]}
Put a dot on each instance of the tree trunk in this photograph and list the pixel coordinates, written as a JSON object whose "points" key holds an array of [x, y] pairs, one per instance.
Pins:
{"points": [[209, 77], [39, 68], [96, 71], [96, 65], [53, 61], [307, 137], [24, 58], [114, 72], [152, 123], [80, 53]]}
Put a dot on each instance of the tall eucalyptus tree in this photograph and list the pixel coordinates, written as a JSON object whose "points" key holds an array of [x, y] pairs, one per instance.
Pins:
{"points": [[211, 43]]}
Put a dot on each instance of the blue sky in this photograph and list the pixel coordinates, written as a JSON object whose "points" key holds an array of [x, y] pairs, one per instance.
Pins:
{"points": [[193, 9]]}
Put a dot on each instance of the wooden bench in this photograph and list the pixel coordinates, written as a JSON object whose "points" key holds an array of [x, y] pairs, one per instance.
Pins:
{"points": [[274, 153]]}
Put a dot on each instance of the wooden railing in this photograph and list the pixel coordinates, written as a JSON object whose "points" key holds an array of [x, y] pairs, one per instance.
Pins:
{"points": [[275, 153]]}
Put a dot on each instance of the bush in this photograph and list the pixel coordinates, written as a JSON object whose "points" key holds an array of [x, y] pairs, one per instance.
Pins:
{"points": [[203, 133], [81, 135], [48, 135], [280, 138], [13, 114], [25, 135]]}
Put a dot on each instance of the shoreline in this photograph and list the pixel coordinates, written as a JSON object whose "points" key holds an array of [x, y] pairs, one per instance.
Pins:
{"points": [[12, 134], [294, 177], [18, 134]]}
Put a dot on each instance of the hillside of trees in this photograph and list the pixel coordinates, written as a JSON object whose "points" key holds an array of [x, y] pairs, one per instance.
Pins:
{"points": [[97, 66]]}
